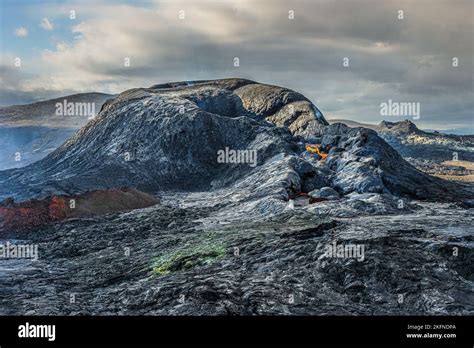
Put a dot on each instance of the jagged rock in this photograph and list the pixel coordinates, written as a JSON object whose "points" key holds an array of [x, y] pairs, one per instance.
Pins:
{"points": [[325, 192], [408, 256], [224, 236], [409, 141], [402, 127], [369, 164], [413, 143], [167, 137]]}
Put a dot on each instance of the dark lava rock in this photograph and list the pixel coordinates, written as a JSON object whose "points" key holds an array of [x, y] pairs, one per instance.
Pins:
{"points": [[167, 137], [225, 239], [409, 141], [325, 192], [369, 164]]}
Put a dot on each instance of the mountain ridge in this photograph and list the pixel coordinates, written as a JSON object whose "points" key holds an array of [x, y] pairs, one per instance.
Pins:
{"points": [[173, 135]]}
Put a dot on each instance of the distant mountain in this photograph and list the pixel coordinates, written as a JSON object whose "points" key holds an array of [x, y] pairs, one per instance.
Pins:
{"points": [[455, 131], [353, 124], [31, 131], [46, 114], [452, 131], [412, 142]]}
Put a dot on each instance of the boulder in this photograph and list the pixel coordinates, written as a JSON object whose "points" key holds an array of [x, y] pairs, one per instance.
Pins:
{"points": [[325, 192]]}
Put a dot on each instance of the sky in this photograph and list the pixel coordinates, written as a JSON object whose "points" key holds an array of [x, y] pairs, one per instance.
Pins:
{"points": [[346, 56]]}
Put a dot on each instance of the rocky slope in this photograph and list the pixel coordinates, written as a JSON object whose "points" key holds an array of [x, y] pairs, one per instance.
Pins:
{"points": [[30, 215], [411, 142], [445, 155], [167, 260], [237, 238], [43, 113], [30, 132], [27, 144], [168, 137]]}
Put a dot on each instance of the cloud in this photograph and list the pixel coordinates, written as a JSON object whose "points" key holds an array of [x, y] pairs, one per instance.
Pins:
{"points": [[18, 86], [46, 24], [406, 60], [21, 32]]}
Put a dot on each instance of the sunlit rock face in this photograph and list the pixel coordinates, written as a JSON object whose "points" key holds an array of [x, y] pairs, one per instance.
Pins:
{"points": [[169, 137], [237, 214]]}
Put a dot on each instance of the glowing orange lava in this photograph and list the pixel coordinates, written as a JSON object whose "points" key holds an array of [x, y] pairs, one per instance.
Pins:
{"points": [[315, 149]]}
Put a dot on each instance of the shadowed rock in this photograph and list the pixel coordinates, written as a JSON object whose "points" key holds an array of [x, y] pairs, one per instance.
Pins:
{"points": [[167, 137]]}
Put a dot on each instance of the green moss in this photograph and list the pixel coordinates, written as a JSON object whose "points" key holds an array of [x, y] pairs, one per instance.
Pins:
{"points": [[183, 259]]}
